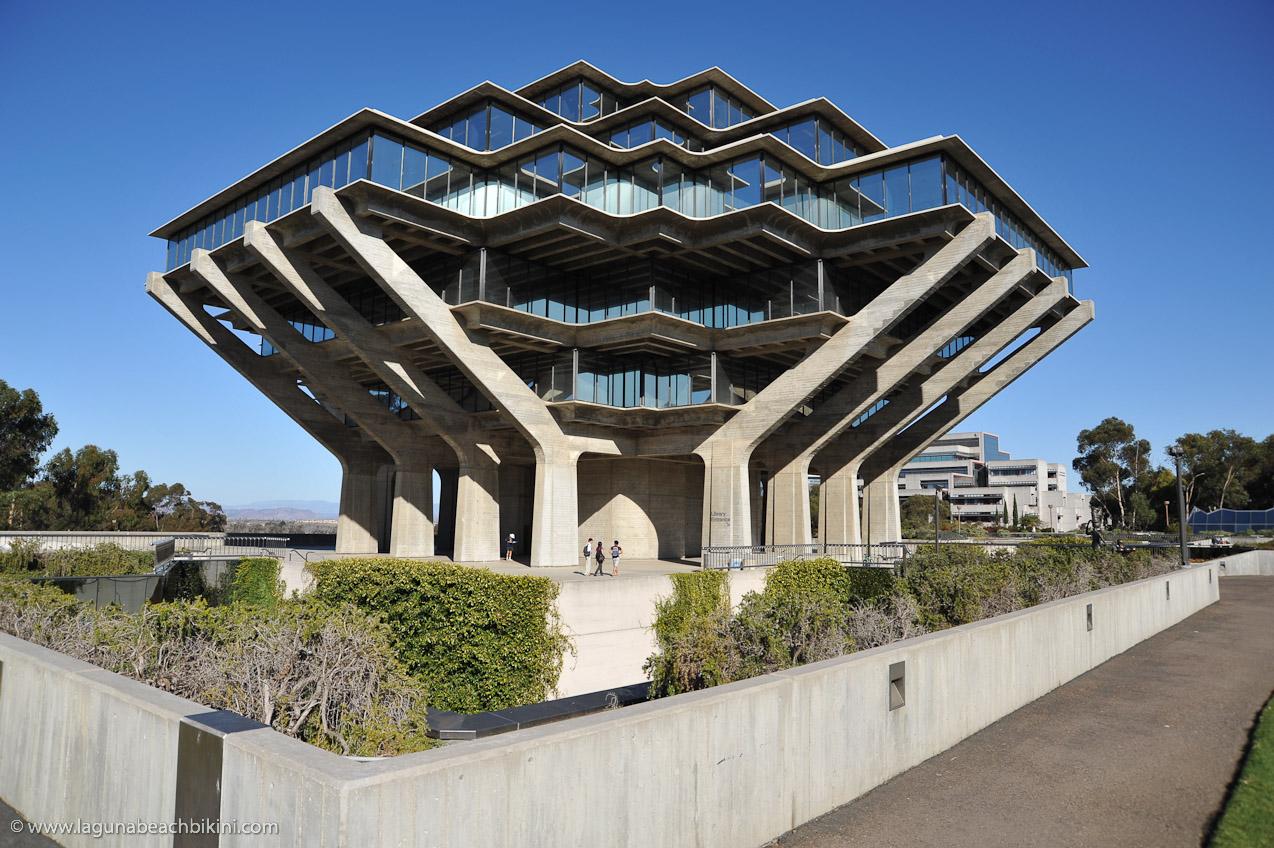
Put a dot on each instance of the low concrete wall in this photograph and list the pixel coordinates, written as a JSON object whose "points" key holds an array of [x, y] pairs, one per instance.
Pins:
{"points": [[733, 766], [609, 622], [1251, 563]]}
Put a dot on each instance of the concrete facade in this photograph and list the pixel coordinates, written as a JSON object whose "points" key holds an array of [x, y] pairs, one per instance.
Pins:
{"points": [[576, 332], [734, 766]]}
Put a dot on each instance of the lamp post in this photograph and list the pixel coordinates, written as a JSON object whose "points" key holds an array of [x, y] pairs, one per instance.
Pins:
{"points": [[937, 517], [1176, 452]]}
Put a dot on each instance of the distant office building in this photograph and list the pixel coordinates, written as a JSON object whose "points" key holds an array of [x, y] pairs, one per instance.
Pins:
{"points": [[641, 311], [983, 482]]}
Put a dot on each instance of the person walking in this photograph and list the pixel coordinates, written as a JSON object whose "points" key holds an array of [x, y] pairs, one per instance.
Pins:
{"points": [[588, 555], [600, 556], [509, 544], [615, 553]]}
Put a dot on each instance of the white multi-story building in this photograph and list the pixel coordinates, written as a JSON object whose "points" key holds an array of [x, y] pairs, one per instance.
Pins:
{"points": [[984, 483]]}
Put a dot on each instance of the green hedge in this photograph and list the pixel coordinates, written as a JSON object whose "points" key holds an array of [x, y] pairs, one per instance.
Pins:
{"points": [[816, 609], [100, 560], [688, 629], [478, 640], [255, 581]]}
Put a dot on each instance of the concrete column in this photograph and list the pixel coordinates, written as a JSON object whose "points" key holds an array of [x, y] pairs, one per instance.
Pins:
{"points": [[412, 533], [555, 516], [962, 403], [556, 506], [798, 443], [882, 510], [356, 527], [727, 503], [788, 505], [411, 527], [838, 507], [361, 461], [477, 533], [474, 526], [726, 452]]}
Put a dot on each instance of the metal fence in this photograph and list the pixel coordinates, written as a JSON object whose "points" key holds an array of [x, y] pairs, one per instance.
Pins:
{"points": [[184, 544], [881, 555]]}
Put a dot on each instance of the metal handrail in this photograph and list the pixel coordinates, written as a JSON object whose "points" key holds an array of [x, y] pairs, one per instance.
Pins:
{"points": [[879, 555]]}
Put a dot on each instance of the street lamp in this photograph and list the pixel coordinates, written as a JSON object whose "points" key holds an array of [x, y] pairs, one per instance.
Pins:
{"points": [[1176, 452], [937, 517]]}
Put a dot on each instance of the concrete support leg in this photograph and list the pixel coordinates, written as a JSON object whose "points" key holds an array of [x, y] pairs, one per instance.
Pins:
{"points": [[838, 507], [882, 511], [555, 517], [412, 532], [477, 528], [788, 506], [358, 527], [727, 502]]}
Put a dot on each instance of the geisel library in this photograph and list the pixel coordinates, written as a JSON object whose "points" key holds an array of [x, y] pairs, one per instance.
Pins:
{"points": [[621, 310]]}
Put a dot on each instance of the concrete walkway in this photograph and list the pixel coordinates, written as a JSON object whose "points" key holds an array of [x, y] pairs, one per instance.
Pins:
{"points": [[1138, 752]]}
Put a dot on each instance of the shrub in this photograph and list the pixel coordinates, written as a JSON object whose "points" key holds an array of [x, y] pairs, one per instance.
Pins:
{"points": [[20, 557], [255, 581], [690, 631], [960, 583], [479, 640], [107, 558], [800, 617], [326, 675]]}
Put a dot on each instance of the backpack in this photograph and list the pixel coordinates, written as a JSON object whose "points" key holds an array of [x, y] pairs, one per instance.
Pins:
{"points": [[588, 551]]}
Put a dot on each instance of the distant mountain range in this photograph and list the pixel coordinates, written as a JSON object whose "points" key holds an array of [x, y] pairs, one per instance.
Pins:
{"points": [[284, 511]]}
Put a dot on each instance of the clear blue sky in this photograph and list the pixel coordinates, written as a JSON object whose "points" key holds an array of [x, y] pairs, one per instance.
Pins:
{"points": [[1141, 131]]}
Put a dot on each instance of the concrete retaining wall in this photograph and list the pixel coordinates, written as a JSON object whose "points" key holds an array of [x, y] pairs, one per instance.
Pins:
{"points": [[1251, 563], [609, 622], [734, 766]]}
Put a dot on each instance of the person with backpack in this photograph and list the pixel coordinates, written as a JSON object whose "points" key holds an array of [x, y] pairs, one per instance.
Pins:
{"points": [[509, 544], [588, 554], [600, 556], [615, 553]]}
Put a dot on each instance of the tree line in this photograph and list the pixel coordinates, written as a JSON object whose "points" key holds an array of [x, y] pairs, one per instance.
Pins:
{"points": [[82, 489], [1219, 469]]}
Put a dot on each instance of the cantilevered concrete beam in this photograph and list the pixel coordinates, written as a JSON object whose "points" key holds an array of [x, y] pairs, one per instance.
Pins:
{"points": [[362, 462], [555, 520], [412, 530], [880, 470], [838, 462], [726, 497], [477, 511], [794, 447]]}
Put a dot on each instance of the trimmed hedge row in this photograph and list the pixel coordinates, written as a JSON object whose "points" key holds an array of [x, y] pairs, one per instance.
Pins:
{"points": [[104, 559], [479, 640], [816, 609]]}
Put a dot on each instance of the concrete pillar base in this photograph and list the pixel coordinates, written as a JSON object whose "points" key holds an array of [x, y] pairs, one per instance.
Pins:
{"points": [[555, 516], [358, 527], [882, 511], [477, 533], [838, 522], [788, 506], [412, 529]]}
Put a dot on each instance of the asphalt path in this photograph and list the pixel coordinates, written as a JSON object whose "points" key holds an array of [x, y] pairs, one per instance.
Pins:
{"points": [[1140, 751]]}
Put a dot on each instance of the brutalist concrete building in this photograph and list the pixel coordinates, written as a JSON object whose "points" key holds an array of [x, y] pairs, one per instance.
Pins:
{"points": [[642, 311]]}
